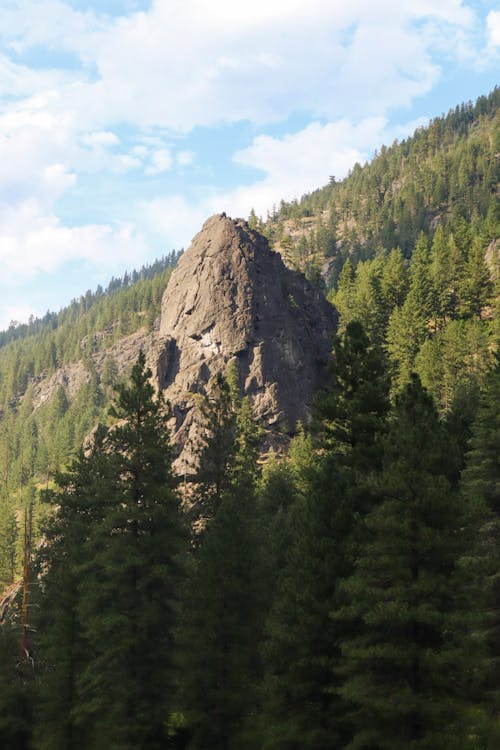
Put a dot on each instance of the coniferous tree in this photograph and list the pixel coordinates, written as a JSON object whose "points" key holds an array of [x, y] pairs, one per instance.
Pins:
{"points": [[481, 490], [476, 286], [16, 691], [223, 610], [302, 707], [404, 672], [394, 281], [61, 648], [217, 447], [352, 411], [128, 595], [9, 535], [442, 295]]}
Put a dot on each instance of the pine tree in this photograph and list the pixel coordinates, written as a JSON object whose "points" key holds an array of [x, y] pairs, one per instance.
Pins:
{"points": [[343, 298], [223, 605], [352, 410], [217, 447], [61, 648], [403, 670], [442, 294], [9, 535], [394, 281], [16, 692], [476, 286], [129, 594], [303, 708], [481, 490]]}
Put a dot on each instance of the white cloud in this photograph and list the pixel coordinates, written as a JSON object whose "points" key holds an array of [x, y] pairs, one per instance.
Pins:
{"points": [[291, 165], [185, 158], [182, 64], [100, 138], [161, 161], [302, 161], [173, 218], [50, 23], [189, 63], [493, 27], [33, 242]]}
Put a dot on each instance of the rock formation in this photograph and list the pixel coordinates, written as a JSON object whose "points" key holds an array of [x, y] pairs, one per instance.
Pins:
{"points": [[232, 297]]}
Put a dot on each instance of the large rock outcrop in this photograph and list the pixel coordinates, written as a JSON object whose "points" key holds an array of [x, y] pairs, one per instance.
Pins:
{"points": [[232, 297]]}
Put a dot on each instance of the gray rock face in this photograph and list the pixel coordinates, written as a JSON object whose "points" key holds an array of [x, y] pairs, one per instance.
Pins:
{"points": [[232, 297]]}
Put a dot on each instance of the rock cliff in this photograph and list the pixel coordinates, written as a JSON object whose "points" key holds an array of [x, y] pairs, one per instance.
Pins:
{"points": [[231, 297]]}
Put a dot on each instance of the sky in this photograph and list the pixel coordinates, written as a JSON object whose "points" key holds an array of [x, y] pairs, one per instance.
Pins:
{"points": [[124, 124]]}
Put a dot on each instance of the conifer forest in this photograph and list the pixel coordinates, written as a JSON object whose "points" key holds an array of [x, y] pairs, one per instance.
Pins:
{"points": [[338, 591]]}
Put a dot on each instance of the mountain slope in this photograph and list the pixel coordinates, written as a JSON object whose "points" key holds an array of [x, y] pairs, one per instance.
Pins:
{"points": [[445, 173], [431, 306]]}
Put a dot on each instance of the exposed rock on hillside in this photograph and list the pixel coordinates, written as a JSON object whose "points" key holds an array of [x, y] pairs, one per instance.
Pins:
{"points": [[76, 374], [232, 297]]}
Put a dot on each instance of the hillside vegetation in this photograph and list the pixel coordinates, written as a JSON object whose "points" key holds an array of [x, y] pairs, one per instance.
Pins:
{"points": [[342, 595], [35, 442], [409, 246]]}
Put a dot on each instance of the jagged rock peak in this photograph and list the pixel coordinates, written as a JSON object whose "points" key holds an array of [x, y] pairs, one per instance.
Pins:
{"points": [[232, 297]]}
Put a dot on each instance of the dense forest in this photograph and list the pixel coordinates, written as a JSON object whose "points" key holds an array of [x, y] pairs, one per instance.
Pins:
{"points": [[35, 442], [446, 173], [343, 594]]}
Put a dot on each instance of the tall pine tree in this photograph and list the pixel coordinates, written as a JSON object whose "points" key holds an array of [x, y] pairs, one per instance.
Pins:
{"points": [[128, 595], [403, 669]]}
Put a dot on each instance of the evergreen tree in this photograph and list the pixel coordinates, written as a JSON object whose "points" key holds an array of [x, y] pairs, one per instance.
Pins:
{"points": [[129, 594], [394, 281], [16, 685], [217, 447], [352, 410], [223, 604], [442, 294], [476, 286], [303, 708], [403, 669], [9, 535], [62, 651], [481, 489]]}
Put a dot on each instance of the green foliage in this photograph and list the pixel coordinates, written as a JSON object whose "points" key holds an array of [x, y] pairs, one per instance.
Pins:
{"points": [[302, 706], [403, 669], [9, 537], [223, 612], [481, 487], [38, 438], [444, 171], [16, 686], [61, 648], [348, 595], [114, 548]]}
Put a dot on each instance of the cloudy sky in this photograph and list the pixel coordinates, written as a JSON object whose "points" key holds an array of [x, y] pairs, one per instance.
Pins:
{"points": [[125, 123]]}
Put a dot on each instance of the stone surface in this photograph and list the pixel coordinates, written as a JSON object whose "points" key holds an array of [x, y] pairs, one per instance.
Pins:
{"points": [[74, 375], [232, 297]]}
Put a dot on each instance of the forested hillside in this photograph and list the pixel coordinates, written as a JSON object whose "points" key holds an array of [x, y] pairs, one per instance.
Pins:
{"points": [[35, 442], [446, 173], [341, 594], [409, 246]]}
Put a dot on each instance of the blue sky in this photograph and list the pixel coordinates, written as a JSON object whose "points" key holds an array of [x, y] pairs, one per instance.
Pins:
{"points": [[124, 124]]}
